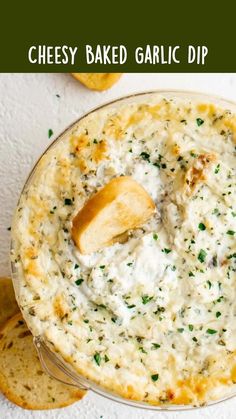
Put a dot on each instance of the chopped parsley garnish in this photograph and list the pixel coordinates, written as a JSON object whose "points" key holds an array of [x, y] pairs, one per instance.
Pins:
{"points": [[95, 141], [233, 214], [194, 339], [202, 255], [142, 350], [76, 266], [155, 236], [218, 314], [201, 226], [79, 281], [211, 331], [130, 264], [97, 358], [231, 232], [146, 299], [131, 306], [190, 274], [102, 266], [50, 133], [190, 326], [145, 156], [154, 377], [199, 122], [155, 346], [231, 256], [68, 201], [106, 359], [166, 250], [180, 329], [209, 284], [217, 169], [214, 261]]}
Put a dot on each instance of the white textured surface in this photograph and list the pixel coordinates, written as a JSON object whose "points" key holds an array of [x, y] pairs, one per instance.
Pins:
{"points": [[28, 108]]}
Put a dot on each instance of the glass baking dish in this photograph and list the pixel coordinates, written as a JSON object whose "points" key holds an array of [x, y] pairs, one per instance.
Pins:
{"points": [[51, 362]]}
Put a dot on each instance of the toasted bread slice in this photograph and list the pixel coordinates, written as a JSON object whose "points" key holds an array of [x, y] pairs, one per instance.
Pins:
{"points": [[121, 205], [97, 81], [22, 379], [8, 304]]}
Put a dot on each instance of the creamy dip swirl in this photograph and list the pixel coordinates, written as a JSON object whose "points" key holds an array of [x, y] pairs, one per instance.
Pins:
{"points": [[151, 319]]}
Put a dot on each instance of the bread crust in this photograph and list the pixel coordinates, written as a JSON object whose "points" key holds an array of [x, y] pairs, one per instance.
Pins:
{"points": [[120, 205], [8, 304], [97, 81]]}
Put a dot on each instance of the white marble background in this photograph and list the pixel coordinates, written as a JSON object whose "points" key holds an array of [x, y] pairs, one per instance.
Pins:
{"points": [[29, 107]]}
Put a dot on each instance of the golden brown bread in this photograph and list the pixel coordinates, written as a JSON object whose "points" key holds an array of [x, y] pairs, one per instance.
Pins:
{"points": [[8, 304], [120, 205], [22, 379], [97, 81]]}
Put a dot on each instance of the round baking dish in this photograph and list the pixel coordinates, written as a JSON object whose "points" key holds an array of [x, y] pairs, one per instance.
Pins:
{"points": [[53, 363]]}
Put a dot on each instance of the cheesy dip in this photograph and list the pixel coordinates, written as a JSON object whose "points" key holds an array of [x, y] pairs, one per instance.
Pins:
{"points": [[152, 318]]}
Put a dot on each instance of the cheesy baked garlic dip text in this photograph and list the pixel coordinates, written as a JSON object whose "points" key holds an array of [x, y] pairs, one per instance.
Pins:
{"points": [[153, 318]]}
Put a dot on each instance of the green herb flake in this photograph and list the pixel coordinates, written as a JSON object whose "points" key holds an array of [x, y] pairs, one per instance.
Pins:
{"points": [[191, 274], [95, 141], [106, 359], [231, 232], [233, 214], [102, 266], [79, 281], [130, 264], [165, 250], [145, 156], [141, 349], [201, 226], [50, 133], [146, 299], [217, 169], [202, 255], [154, 377], [76, 266], [155, 236], [68, 201], [155, 346], [190, 326], [214, 261], [211, 331], [218, 314], [199, 122], [97, 358], [209, 284], [180, 329]]}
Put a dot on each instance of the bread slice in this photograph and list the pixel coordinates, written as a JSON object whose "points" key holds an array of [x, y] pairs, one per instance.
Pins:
{"points": [[97, 81], [22, 379], [8, 304], [121, 205]]}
